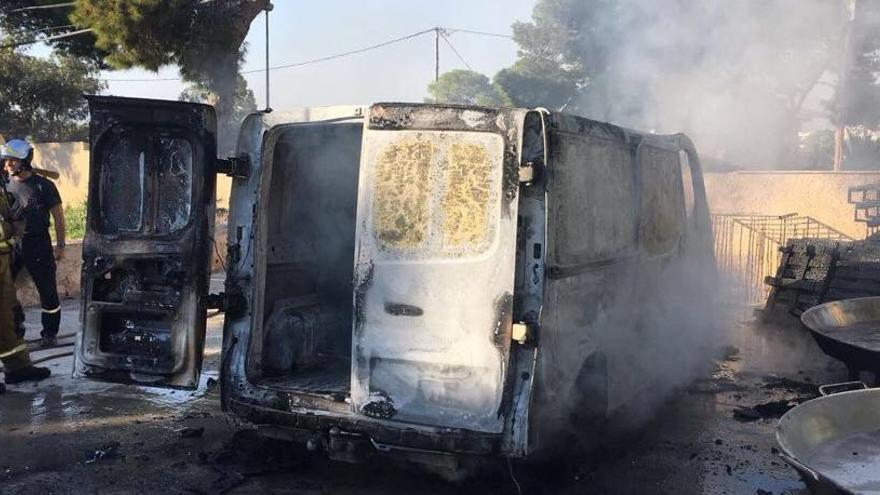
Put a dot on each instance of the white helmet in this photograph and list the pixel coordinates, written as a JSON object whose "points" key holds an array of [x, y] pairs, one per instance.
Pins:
{"points": [[16, 148]]}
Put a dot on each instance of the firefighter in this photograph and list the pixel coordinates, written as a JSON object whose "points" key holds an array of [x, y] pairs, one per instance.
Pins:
{"points": [[13, 349], [35, 199]]}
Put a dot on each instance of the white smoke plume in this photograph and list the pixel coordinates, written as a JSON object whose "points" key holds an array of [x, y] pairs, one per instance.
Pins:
{"points": [[739, 76]]}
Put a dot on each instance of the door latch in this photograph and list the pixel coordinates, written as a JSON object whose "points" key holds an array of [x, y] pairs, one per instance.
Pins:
{"points": [[235, 167]]}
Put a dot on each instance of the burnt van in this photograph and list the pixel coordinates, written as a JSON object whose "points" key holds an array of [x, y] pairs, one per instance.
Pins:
{"points": [[413, 278]]}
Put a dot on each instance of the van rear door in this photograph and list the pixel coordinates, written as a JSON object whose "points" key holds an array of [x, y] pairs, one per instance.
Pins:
{"points": [[147, 249], [434, 274]]}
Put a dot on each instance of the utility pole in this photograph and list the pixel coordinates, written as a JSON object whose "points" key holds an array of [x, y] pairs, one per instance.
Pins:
{"points": [[436, 53], [269, 8]]}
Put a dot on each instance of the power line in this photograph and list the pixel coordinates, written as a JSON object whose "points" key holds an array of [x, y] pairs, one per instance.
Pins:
{"points": [[482, 33], [42, 7], [346, 54], [47, 38], [299, 64], [446, 39], [56, 28]]}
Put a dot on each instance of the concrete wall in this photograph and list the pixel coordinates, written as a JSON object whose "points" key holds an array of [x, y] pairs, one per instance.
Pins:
{"points": [[71, 160], [821, 195]]}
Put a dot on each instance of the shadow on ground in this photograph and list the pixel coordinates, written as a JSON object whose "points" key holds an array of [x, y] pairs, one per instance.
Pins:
{"points": [[73, 436]]}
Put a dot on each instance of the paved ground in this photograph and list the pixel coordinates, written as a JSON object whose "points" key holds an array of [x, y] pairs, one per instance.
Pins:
{"points": [[73, 436]]}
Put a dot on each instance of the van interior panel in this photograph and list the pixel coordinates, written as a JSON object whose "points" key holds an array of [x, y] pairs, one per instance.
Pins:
{"points": [[307, 312]]}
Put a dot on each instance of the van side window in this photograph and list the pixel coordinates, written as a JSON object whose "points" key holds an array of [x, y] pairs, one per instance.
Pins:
{"points": [[121, 186], [662, 204], [594, 207]]}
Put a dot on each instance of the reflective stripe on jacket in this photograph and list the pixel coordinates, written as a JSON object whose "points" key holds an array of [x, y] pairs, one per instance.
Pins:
{"points": [[15, 350]]}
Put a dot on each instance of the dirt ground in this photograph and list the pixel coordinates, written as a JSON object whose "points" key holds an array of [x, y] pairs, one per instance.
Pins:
{"points": [[74, 436]]}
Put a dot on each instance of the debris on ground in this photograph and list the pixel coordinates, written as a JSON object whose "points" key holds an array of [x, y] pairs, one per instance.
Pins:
{"points": [[772, 409], [805, 387], [776, 408], [108, 451], [730, 353], [250, 454], [191, 432], [715, 386]]}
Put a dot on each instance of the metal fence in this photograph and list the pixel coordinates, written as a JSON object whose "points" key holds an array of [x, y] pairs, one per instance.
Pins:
{"points": [[747, 248], [866, 201]]}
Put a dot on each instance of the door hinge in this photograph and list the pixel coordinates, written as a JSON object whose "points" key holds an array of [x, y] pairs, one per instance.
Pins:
{"points": [[230, 303], [530, 172], [235, 167], [522, 333]]}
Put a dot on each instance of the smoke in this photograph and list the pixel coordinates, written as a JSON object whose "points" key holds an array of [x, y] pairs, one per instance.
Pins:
{"points": [[737, 76], [668, 331]]}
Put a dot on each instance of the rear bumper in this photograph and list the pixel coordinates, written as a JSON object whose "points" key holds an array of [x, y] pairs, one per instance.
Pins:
{"points": [[305, 427]]}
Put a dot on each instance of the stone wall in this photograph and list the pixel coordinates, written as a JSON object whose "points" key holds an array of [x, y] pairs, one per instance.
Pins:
{"points": [[821, 195]]}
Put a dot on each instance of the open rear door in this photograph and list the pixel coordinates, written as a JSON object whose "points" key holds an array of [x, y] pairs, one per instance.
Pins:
{"points": [[147, 249], [434, 274]]}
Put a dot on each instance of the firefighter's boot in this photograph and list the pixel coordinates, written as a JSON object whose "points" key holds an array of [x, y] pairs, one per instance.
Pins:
{"points": [[28, 374]]}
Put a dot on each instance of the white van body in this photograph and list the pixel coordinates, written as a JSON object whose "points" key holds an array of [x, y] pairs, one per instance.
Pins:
{"points": [[412, 278]]}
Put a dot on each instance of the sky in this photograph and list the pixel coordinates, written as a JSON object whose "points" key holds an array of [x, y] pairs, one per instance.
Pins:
{"points": [[302, 30]]}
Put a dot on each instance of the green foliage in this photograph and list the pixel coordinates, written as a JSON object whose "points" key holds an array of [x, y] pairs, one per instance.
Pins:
{"points": [[154, 33], [815, 151], [42, 98], [23, 25], [558, 50], [204, 38], [75, 220], [858, 101], [534, 90], [552, 65], [465, 87], [144, 33], [243, 103]]}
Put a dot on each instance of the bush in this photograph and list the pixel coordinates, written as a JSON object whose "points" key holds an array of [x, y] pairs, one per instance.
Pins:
{"points": [[75, 221]]}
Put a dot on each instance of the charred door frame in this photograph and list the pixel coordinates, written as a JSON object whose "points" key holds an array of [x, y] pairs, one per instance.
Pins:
{"points": [[270, 140], [187, 248], [240, 372], [528, 300]]}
